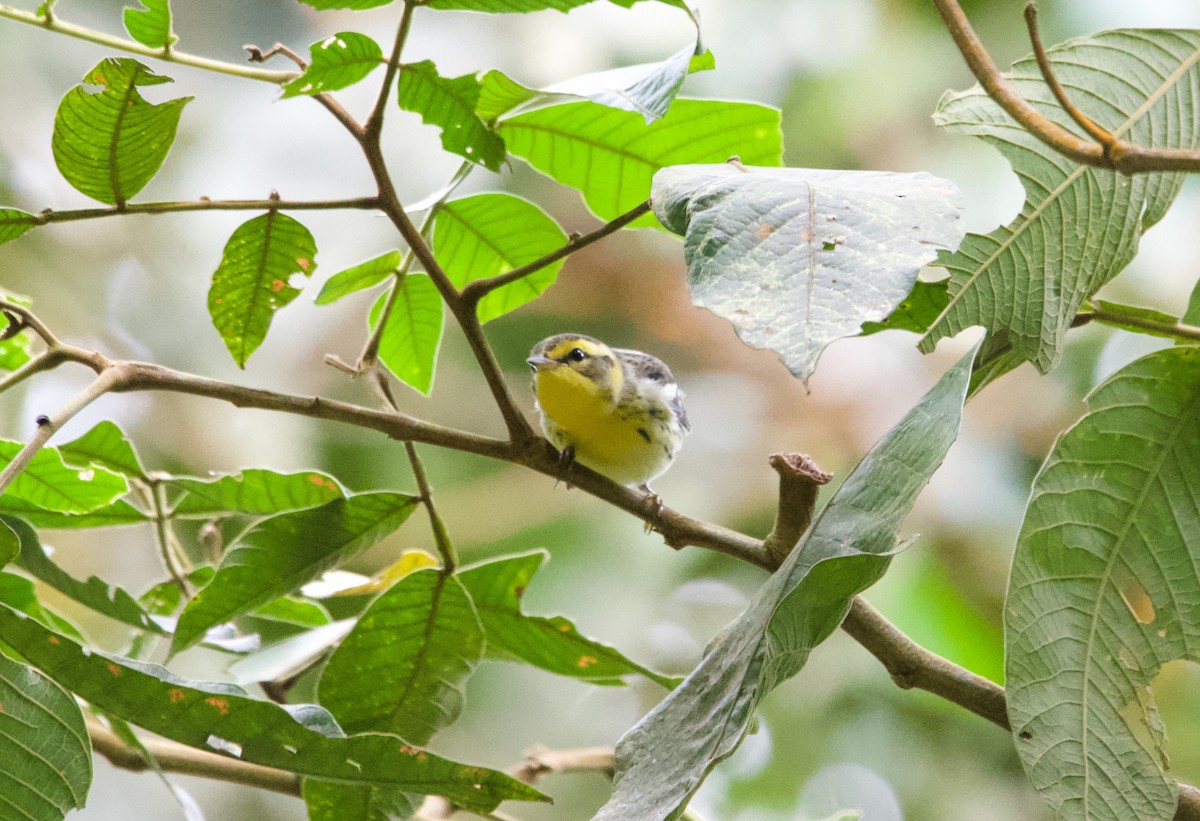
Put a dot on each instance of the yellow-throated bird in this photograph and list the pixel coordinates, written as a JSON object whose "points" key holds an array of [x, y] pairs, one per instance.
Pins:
{"points": [[615, 411]]}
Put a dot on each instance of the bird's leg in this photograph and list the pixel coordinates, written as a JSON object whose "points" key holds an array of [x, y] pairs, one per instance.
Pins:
{"points": [[652, 505], [566, 458]]}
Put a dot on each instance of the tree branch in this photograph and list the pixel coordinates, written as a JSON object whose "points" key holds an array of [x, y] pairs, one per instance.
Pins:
{"points": [[1120, 155], [174, 757], [800, 479], [477, 289], [373, 128], [51, 22]]}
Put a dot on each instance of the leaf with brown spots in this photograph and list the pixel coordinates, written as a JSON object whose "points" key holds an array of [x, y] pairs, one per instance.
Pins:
{"points": [[254, 279]]}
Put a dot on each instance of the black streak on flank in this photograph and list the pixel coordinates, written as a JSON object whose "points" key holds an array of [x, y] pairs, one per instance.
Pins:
{"points": [[645, 434]]}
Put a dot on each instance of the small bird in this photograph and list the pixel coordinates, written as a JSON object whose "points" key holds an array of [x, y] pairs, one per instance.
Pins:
{"points": [[615, 411]]}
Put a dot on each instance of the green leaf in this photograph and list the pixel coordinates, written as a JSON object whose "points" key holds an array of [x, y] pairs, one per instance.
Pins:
{"points": [[300, 738], [327, 801], [795, 257], [915, 312], [44, 745], [14, 223], [646, 89], [1105, 590], [449, 103], [18, 593], [254, 491], [1080, 226], [110, 142], [611, 156], [94, 593], [115, 514], [277, 555], [49, 484], [14, 351], [553, 643], [402, 668], [150, 25], [358, 277], [1192, 315], [664, 759], [413, 333], [253, 280], [104, 446], [490, 234], [337, 62]]}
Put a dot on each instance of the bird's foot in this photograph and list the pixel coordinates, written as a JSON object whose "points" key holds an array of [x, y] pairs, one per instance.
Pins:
{"points": [[652, 506], [566, 458]]}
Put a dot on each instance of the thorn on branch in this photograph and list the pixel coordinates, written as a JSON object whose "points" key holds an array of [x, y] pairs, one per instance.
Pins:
{"points": [[16, 324], [800, 478]]}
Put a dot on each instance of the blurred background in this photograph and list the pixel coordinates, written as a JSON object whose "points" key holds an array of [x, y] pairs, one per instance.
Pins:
{"points": [[857, 81]]}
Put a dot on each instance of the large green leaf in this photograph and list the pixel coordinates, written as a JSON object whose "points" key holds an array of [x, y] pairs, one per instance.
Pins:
{"points": [[795, 257], [150, 24], [611, 156], [409, 344], [104, 446], [44, 745], [14, 223], [253, 280], [449, 103], [1080, 226], [551, 643], [277, 555], [95, 593], [490, 234], [1105, 589], [358, 277], [110, 142], [300, 738], [338, 61], [663, 760], [646, 89], [915, 311], [402, 668], [254, 491], [49, 484]]}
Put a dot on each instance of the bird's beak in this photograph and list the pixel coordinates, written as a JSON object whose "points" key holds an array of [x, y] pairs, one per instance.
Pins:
{"points": [[540, 363]]}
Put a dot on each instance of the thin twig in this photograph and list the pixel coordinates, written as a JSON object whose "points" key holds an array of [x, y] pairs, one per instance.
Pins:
{"points": [[204, 204], [373, 128], [167, 548], [476, 290], [1099, 134], [169, 54], [441, 536], [1121, 156]]}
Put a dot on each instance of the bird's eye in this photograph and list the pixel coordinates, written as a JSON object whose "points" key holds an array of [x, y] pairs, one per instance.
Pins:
{"points": [[576, 355], [655, 376]]}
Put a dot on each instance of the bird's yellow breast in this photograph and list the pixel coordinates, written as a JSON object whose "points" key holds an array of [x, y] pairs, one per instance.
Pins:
{"points": [[581, 414]]}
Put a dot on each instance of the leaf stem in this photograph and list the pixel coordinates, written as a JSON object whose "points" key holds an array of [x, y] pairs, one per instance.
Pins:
{"points": [[168, 548], [373, 127], [168, 54], [477, 289]]}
